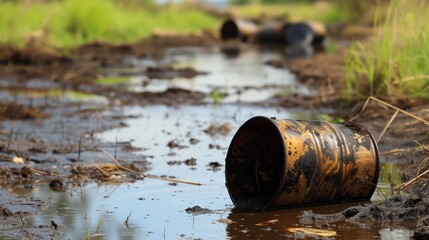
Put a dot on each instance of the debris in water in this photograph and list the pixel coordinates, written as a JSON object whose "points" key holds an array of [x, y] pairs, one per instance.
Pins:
{"points": [[263, 224], [215, 166], [313, 231], [5, 212], [174, 162], [193, 141], [190, 162], [57, 185], [197, 210], [18, 160], [215, 129], [226, 221], [187, 162], [175, 144], [54, 225], [212, 146]]}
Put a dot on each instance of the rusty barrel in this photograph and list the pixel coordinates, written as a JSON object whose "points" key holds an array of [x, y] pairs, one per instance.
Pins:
{"points": [[272, 32], [287, 163], [244, 30], [305, 33]]}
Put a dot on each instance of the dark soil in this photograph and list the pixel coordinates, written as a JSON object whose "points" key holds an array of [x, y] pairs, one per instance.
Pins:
{"points": [[411, 210]]}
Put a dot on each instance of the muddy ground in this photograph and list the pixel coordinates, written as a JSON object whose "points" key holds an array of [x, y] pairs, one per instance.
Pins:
{"points": [[65, 131]]}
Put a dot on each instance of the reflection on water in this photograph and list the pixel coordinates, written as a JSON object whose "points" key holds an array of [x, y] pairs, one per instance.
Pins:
{"points": [[278, 224], [391, 175], [240, 73]]}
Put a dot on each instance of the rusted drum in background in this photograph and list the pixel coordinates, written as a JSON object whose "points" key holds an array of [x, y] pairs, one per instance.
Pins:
{"points": [[272, 32], [284, 163], [305, 33], [244, 30]]}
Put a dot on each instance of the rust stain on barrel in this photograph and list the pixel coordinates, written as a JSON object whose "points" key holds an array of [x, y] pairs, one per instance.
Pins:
{"points": [[292, 163]]}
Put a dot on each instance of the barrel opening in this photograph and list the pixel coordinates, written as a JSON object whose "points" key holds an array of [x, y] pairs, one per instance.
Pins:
{"points": [[229, 30], [255, 164]]}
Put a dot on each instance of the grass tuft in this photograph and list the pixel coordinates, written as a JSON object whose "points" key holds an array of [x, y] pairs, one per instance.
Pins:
{"points": [[395, 64]]}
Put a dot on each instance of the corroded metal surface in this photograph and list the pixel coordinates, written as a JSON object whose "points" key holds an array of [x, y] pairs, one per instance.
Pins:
{"points": [[307, 33], [274, 31], [280, 163]]}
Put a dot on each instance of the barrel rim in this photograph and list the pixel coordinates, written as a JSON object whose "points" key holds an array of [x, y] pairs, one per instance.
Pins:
{"points": [[283, 164], [284, 159], [377, 164]]}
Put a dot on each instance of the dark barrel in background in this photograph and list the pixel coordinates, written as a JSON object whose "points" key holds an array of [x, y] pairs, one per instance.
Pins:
{"points": [[305, 33], [244, 30], [285, 163], [272, 32]]}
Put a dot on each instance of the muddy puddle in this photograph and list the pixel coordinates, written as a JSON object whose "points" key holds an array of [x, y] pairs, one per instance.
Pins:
{"points": [[185, 142], [159, 209], [240, 77]]}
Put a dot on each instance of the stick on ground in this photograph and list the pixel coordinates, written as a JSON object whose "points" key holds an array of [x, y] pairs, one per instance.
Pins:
{"points": [[148, 176]]}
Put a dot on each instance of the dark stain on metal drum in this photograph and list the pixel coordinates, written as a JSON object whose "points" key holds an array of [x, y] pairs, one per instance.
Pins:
{"points": [[275, 163]]}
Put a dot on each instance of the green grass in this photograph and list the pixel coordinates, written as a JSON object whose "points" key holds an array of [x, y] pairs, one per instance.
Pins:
{"points": [[395, 64], [70, 23]]}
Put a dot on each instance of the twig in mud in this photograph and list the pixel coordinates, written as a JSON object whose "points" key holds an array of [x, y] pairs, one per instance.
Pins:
{"points": [[101, 170], [128, 218], [390, 106], [404, 185], [173, 180], [79, 148], [382, 193], [422, 164], [401, 150], [116, 147], [387, 126], [116, 161], [378, 189], [148, 176], [393, 117], [395, 151], [21, 219], [45, 173]]}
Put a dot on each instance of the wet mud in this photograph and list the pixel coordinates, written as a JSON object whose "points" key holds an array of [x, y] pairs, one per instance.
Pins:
{"points": [[53, 115], [15, 212], [410, 210]]}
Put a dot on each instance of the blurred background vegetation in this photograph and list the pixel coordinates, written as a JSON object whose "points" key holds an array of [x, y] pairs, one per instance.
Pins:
{"points": [[70, 23], [394, 63]]}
